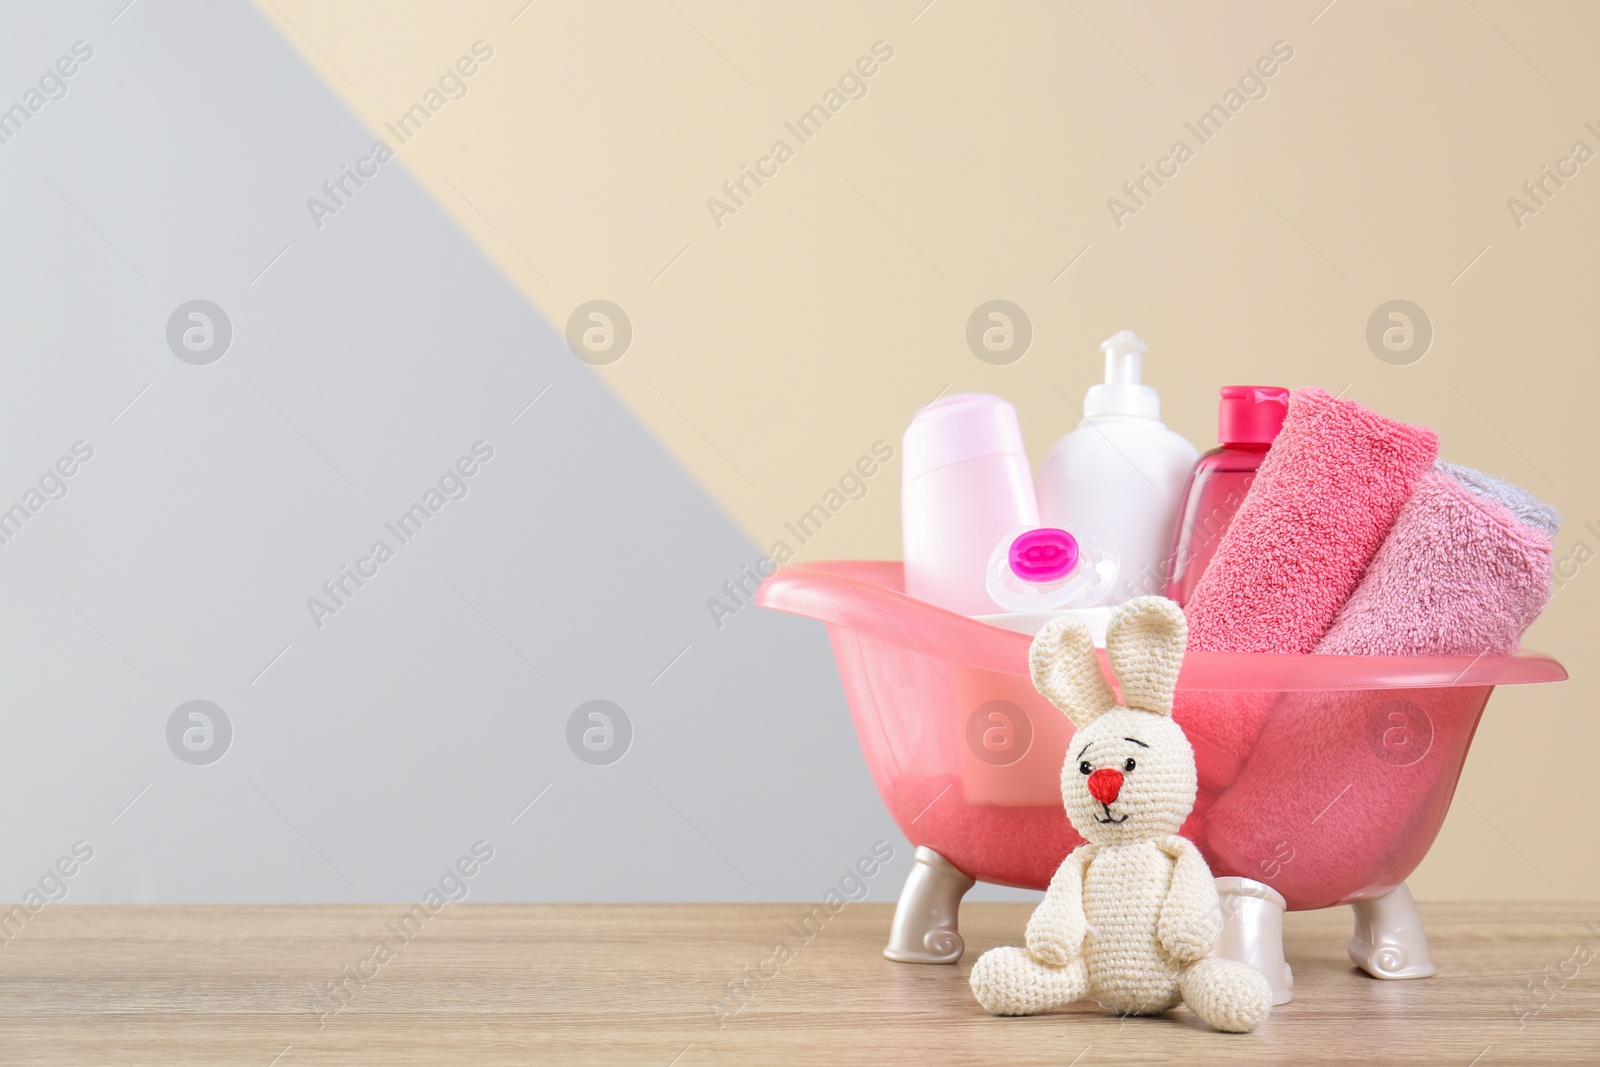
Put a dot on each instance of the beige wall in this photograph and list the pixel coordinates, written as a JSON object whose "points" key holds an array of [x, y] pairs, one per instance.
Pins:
{"points": [[773, 350]]}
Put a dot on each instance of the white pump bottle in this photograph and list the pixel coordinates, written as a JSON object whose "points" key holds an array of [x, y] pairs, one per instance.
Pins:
{"points": [[1122, 471]]}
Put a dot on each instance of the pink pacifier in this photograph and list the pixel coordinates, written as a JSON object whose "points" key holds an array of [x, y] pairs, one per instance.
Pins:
{"points": [[1043, 568]]}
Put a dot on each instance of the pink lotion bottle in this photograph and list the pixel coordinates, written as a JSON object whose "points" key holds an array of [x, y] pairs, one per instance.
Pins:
{"points": [[1248, 419]]}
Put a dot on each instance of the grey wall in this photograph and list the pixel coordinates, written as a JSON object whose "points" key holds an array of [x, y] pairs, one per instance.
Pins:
{"points": [[368, 753]]}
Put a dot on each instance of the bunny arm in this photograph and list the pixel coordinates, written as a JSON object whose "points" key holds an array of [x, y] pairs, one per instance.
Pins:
{"points": [[1056, 931], [1191, 914]]}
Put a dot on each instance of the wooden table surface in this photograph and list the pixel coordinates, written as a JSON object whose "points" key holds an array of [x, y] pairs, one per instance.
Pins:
{"points": [[635, 984]]}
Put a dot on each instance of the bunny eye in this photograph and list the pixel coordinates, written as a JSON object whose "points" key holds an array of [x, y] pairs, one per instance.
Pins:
{"points": [[1128, 767], [1084, 768]]}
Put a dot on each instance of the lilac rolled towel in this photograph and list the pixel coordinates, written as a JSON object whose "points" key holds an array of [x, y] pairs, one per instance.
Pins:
{"points": [[1460, 574], [1521, 503]]}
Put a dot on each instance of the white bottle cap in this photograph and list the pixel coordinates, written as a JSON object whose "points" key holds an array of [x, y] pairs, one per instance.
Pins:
{"points": [[954, 429], [1123, 393]]}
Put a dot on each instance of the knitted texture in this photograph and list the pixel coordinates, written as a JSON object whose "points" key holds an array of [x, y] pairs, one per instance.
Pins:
{"points": [[1131, 915], [1320, 507], [1146, 650], [1459, 575], [1061, 661], [1515, 499]]}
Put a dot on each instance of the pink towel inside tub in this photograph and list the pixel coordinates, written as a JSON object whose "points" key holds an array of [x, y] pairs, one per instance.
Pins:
{"points": [[1343, 791], [1322, 503], [1222, 728], [1459, 575]]}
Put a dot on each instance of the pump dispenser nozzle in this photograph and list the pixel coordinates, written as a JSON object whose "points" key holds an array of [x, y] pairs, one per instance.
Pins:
{"points": [[1123, 392], [1124, 357]]}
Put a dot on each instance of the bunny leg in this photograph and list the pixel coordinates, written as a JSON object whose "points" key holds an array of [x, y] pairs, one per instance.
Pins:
{"points": [[1009, 981], [1227, 995]]}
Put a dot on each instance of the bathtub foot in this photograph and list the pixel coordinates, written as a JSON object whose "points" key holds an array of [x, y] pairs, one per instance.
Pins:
{"points": [[1389, 941], [924, 929], [1252, 932]]}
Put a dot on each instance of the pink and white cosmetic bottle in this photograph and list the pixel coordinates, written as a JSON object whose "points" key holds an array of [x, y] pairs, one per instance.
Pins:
{"points": [[966, 484]]}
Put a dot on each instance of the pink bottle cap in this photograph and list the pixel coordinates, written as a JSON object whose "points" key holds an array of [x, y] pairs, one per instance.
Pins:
{"points": [[1043, 555], [954, 429], [1251, 414]]}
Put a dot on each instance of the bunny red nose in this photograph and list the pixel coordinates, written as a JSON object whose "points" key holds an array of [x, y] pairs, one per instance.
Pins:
{"points": [[1105, 784]]}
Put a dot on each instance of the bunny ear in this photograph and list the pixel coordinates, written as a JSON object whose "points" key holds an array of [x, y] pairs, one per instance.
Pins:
{"points": [[1145, 641], [1064, 669]]}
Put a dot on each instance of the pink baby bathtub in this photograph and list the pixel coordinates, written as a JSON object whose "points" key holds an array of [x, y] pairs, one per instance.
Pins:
{"points": [[1323, 779]]}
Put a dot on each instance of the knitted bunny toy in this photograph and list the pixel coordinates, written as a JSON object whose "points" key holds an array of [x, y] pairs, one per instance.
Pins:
{"points": [[1129, 916]]}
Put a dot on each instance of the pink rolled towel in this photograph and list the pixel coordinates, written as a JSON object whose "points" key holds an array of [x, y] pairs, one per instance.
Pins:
{"points": [[1321, 505], [1460, 575]]}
